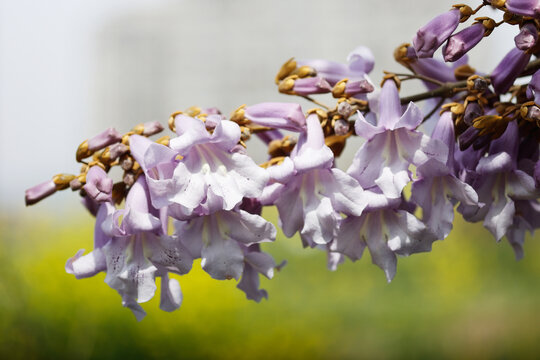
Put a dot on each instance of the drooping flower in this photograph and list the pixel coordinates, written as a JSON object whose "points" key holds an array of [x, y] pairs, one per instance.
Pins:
{"points": [[436, 189], [134, 252], [499, 184], [228, 244], [309, 193], [386, 231]]}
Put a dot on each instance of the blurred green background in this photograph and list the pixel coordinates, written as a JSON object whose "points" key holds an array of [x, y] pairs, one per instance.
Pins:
{"points": [[467, 298]]}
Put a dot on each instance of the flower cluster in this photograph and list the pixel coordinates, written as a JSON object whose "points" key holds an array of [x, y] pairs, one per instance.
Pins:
{"points": [[199, 194]]}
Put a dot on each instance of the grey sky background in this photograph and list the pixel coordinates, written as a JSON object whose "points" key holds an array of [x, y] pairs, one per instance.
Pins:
{"points": [[71, 68]]}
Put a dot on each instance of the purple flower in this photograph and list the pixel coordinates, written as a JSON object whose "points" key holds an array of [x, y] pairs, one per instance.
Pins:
{"points": [[508, 70], [459, 44], [431, 36], [221, 238], [524, 7], [198, 173], [393, 144], [437, 185], [386, 231], [499, 184], [135, 252], [309, 193], [255, 262]]}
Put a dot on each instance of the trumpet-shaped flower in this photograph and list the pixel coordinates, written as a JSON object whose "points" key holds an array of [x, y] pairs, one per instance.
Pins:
{"points": [[228, 243], [309, 193], [134, 252], [437, 184], [392, 146], [198, 171], [499, 184]]}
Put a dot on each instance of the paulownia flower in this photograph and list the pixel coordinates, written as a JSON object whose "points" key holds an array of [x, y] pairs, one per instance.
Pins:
{"points": [[392, 146], [134, 252], [198, 173], [309, 193], [228, 244], [499, 184], [437, 188]]}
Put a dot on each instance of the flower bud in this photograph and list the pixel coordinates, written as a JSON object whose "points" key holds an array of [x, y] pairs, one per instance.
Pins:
{"points": [[431, 36], [508, 70], [460, 43], [311, 85], [104, 139], [527, 37], [284, 116], [524, 7], [39, 192]]}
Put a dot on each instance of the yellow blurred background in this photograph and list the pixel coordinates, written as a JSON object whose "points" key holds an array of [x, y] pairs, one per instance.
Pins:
{"points": [[468, 298]]}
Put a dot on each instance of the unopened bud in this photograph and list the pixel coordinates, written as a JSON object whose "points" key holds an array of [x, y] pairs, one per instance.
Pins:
{"points": [[341, 127], [39, 192], [344, 109], [129, 178]]}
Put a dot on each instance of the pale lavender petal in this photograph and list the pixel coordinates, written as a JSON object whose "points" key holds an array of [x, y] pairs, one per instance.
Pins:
{"points": [[344, 191], [226, 135], [170, 254], [411, 118], [222, 258], [87, 265], [500, 215], [365, 129], [313, 153], [349, 240], [261, 262], [361, 59], [330, 70], [171, 294], [522, 186], [248, 228], [291, 208], [282, 172], [381, 254], [389, 105], [320, 221], [249, 284], [190, 132]]}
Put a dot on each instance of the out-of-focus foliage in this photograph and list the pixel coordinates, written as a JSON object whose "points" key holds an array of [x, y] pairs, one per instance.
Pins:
{"points": [[468, 297]]}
